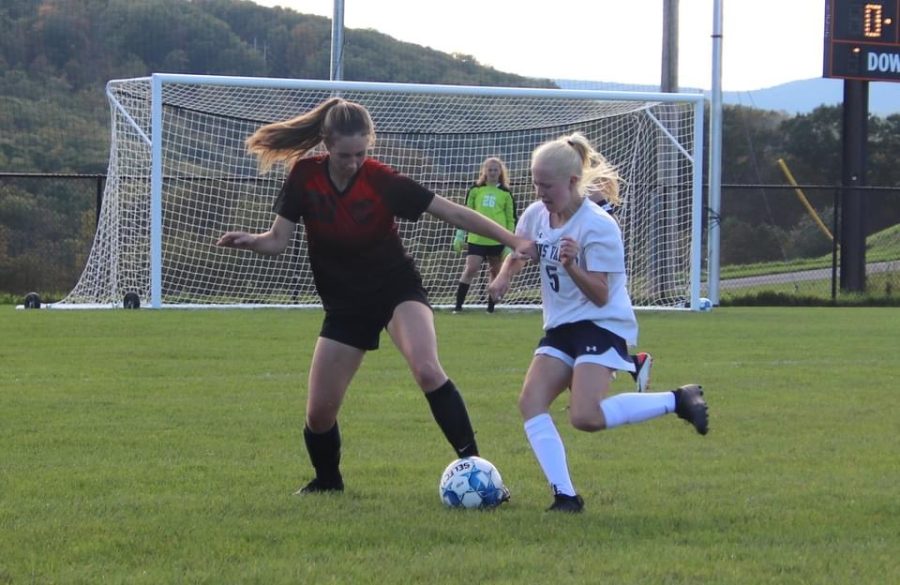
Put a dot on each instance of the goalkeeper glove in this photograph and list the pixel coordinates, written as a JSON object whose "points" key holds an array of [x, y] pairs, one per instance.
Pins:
{"points": [[459, 240]]}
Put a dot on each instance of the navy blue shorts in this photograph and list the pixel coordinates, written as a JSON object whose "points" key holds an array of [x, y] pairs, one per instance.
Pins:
{"points": [[585, 342], [362, 328]]}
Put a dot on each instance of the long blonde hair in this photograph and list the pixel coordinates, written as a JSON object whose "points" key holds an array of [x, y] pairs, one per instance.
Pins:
{"points": [[289, 140], [504, 173], [574, 156]]}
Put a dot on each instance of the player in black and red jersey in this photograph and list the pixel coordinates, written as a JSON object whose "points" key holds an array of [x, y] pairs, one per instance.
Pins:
{"points": [[367, 281]]}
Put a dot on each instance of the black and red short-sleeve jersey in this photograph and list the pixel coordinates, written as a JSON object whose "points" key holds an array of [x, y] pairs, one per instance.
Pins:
{"points": [[355, 249]]}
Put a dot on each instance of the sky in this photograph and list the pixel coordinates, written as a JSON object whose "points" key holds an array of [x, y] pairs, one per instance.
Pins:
{"points": [[764, 42]]}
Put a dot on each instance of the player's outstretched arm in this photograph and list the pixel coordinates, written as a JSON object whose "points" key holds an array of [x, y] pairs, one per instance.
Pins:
{"points": [[472, 221], [270, 243]]}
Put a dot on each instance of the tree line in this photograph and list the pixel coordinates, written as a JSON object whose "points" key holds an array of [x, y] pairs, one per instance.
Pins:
{"points": [[57, 55]]}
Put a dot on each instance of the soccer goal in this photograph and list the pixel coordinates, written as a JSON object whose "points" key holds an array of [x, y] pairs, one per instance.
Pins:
{"points": [[179, 176]]}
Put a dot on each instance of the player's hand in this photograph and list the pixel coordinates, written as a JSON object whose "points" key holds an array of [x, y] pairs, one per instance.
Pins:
{"points": [[240, 240], [458, 240], [525, 250], [498, 287], [568, 251]]}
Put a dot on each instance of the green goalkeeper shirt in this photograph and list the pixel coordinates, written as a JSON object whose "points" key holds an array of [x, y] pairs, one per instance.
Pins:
{"points": [[493, 202]]}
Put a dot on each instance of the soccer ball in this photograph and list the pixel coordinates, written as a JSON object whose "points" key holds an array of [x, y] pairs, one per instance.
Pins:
{"points": [[705, 304], [472, 482]]}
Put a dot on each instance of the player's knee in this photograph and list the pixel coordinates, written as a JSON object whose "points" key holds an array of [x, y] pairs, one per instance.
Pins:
{"points": [[319, 423], [523, 406], [531, 406], [588, 422], [428, 375], [469, 275]]}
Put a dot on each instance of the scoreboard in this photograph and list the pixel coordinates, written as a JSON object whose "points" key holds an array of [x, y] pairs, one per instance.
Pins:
{"points": [[862, 40]]}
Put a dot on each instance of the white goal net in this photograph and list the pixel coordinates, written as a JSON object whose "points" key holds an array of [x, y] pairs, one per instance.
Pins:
{"points": [[179, 176]]}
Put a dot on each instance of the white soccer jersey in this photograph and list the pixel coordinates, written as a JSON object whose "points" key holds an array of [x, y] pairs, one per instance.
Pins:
{"points": [[600, 239]]}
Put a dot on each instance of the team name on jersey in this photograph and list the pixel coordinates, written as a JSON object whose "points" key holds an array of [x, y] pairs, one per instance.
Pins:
{"points": [[550, 252]]}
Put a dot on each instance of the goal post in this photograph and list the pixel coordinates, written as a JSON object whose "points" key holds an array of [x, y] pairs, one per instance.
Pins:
{"points": [[179, 176]]}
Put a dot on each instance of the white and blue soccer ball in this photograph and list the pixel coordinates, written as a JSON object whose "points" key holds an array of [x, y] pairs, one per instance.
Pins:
{"points": [[472, 482], [704, 304]]}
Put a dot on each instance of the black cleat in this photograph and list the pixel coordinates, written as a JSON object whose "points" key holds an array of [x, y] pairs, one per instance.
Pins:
{"points": [[563, 503], [690, 406], [317, 486]]}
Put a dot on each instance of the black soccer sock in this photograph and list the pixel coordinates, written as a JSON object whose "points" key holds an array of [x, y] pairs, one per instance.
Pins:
{"points": [[325, 453], [461, 291], [490, 307], [451, 415]]}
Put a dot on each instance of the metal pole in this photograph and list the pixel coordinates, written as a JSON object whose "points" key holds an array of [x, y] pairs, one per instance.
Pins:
{"points": [[664, 201], [669, 80], [853, 200], [834, 243], [715, 158], [156, 193], [337, 41]]}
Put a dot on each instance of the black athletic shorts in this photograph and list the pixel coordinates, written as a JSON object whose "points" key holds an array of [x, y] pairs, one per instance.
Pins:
{"points": [[585, 341], [362, 328], [484, 251]]}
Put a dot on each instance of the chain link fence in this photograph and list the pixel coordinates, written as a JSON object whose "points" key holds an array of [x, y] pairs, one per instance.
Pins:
{"points": [[782, 244]]}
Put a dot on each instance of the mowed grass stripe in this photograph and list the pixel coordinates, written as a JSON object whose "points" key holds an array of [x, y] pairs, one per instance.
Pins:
{"points": [[163, 447]]}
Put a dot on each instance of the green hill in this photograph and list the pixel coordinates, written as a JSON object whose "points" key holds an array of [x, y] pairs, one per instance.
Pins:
{"points": [[57, 55]]}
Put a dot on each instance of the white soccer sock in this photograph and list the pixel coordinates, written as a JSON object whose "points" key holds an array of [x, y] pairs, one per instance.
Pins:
{"points": [[550, 452], [634, 407]]}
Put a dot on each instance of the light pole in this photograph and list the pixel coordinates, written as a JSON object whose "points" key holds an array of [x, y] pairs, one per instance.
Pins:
{"points": [[715, 158], [337, 42]]}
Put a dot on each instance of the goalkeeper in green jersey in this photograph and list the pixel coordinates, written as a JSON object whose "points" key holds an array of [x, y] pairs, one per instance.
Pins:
{"points": [[491, 197]]}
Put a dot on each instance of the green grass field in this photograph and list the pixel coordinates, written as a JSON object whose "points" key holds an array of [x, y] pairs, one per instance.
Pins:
{"points": [[164, 447]]}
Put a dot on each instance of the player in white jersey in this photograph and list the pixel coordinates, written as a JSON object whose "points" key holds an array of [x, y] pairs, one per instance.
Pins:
{"points": [[588, 319], [602, 251]]}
